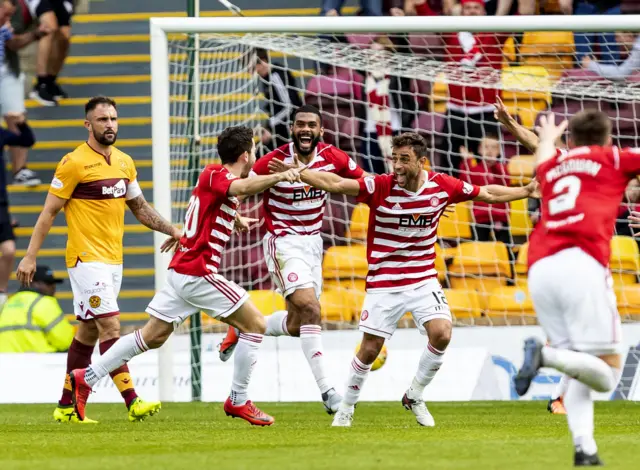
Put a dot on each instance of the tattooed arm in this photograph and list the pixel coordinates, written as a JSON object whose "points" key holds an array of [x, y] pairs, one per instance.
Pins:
{"points": [[149, 217]]}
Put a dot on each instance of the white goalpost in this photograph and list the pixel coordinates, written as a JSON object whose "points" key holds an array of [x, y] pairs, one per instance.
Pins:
{"points": [[204, 79]]}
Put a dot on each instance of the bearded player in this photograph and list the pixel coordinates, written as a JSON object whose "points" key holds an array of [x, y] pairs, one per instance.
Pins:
{"points": [[293, 247], [193, 283], [569, 279], [93, 183], [405, 208]]}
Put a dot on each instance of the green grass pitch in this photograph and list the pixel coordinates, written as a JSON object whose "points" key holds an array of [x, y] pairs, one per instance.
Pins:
{"points": [[478, 435]]}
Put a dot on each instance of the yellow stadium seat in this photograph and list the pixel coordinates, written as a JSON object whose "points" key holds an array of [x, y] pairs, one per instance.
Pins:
{"points": [[439, 95], [628, 297], [506, 302], [463, 303], [359, 223], [509, 52], [345, 262], [624, 254], [345, 284], [334, 306], [458, 224], [520, 169], [520, 223], [521, 268], [527, 110], [440, 264], [267, 301], [526, 83], [545, 42]]}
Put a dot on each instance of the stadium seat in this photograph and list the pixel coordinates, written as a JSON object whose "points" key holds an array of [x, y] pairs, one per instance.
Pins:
{"points": [[624, 260], [359, 223], [512, 305], [457, 225], [345, 262], [480, 266], [464, 304], [628, 298], [439, 95], [551, 50], [337, 305], [520, 169], [267, 301], [526, 110], [518, 83], [521, 268], [350, 284], [520, 223]]}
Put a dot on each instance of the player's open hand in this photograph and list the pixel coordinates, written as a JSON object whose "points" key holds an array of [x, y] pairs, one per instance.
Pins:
{"points": [[501, 112], [547, 130], [243, 224], [278, 166], [26, 270], [534, 189]]}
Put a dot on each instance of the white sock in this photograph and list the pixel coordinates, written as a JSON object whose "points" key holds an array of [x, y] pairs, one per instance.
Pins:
{"points": [[122, 351], [277, 324], [584, 367], [357, 377], [311, 342], [246, 356], [561, 389], [428, 367], [579, 405]]}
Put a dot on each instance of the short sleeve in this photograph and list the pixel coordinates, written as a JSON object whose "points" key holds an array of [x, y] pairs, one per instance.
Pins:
{"points": [[630, 161], [219, 182], [65, 179], [346, 166], [458, 190], [373, 189]]}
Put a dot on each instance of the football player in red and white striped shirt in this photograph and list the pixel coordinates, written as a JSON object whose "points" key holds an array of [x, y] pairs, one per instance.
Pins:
{"points": [[569, 278], [405, 208], [193, 283], [293, 247]]}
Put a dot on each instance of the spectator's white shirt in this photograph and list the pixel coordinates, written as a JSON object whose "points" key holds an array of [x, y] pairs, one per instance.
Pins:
{"points": [[622, 71]]}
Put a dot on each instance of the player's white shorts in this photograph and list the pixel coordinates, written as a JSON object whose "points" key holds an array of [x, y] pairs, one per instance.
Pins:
{"points": [[95, 288], [574, 299], [294, 262], [382, 311], [184, 295]]}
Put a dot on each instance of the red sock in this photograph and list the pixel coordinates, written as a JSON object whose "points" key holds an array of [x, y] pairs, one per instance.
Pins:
{"points": [[78, 357], [121, 376]]}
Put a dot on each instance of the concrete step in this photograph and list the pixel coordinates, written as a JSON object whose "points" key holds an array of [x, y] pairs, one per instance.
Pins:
{"points": [[59, 240]]}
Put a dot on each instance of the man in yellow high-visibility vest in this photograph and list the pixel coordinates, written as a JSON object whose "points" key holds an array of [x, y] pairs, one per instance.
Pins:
{"points": [[32, 320]]}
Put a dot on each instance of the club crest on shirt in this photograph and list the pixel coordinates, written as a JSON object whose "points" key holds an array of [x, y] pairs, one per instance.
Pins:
{"points": [[94, 301], [415, 221]]}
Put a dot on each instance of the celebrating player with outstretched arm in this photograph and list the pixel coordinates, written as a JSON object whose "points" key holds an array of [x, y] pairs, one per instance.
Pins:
{"points": [[93, 183], [193, 282], [569, 279], [293, 246], [405, 208]]}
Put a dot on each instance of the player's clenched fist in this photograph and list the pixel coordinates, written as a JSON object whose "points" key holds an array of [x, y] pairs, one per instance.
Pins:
{"points": [[25, 271]]}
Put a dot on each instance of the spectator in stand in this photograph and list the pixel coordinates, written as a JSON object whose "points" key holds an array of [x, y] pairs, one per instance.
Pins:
{"points": [[32, 320], [12, 83], [492, 7], [391, 107], [280, 91], [609, 53], [55, 16], [367, 7], [629, 41], [491, 222], [470, 108], [7, 238]]}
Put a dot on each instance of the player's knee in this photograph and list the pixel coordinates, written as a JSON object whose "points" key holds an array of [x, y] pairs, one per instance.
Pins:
{"points": [[440, 337], [65, 33], [8, 250], [369, 349]]}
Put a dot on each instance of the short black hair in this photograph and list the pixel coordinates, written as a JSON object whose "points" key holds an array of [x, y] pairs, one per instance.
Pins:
{"points": [[97, 100], [233, 142], [263, 55], [306, 108], [413, 140]]}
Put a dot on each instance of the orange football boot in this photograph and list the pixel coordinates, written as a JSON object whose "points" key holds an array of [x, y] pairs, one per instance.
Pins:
{"points": [[249, 412], [228, 344], [80, 391]]}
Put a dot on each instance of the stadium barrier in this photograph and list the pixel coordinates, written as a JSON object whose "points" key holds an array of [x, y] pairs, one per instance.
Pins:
{"points": [[479, 365]]}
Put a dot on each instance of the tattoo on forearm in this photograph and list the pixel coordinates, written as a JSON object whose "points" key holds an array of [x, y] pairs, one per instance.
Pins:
{"points": [[148, 216]]}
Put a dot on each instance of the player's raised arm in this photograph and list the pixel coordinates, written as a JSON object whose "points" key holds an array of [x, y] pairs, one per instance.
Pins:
{"points": [[494, 193], [330, 182], [549, 134], [257, 184], [523, 135], [27, 267]]}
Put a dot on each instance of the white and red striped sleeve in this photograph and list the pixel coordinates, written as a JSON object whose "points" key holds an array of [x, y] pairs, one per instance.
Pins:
{"points": [[458, 190]]}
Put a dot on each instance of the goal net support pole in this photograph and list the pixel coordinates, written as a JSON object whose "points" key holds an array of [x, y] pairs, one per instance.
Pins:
{"points": [[177, 75]]}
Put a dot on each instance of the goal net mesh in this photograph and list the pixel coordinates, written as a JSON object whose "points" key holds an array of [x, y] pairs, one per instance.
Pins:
{"points": [[354, 80]]}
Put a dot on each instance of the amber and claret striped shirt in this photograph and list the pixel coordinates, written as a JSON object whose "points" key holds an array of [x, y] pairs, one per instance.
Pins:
{"points": [[95, 188]]}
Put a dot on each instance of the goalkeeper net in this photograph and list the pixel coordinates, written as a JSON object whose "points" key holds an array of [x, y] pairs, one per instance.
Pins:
{"points": [[369, 86]]}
